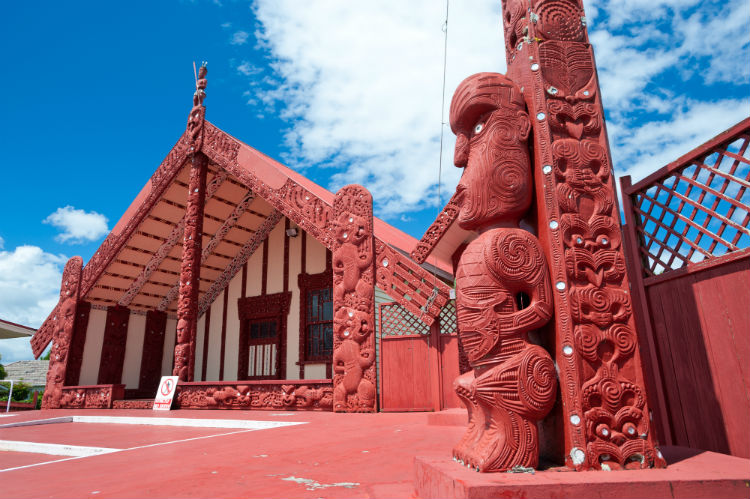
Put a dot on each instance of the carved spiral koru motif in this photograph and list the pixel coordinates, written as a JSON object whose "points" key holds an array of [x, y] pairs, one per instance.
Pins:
{"points": [[560, 20], [587, 341], [624, 339], [538, 383], [514, 255]]}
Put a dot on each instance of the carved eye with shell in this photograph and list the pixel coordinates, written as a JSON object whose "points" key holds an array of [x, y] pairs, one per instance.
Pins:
{"points": [[478, 128]]}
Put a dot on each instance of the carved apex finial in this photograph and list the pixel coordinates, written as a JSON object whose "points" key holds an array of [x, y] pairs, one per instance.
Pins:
{"points": [[200, 84]]}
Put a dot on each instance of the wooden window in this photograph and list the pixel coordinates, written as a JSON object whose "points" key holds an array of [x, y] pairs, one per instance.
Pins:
{"points": [[262, 336], [315, 318], [319, 325]]}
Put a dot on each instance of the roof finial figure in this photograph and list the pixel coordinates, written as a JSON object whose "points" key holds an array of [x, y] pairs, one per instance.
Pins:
{"points": [[200, 84], [198, 113]]}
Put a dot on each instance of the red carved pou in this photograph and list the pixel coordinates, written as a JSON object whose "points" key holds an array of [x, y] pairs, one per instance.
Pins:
{"points": [[63, 333], [502, 284], [605, 411], [353, 301]]}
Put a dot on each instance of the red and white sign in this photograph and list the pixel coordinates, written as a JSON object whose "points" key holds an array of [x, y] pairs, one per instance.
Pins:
{"points": [[165, 393]]}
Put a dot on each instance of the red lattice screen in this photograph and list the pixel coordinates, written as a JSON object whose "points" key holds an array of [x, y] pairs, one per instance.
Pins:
{"points": [[695, 208], [395, 320]]}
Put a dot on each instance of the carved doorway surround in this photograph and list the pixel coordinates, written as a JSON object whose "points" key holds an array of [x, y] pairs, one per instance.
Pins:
{"points": [[262, 347]]}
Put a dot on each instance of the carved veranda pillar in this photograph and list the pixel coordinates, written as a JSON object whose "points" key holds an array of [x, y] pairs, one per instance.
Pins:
{"points": [[604, 406], [353, 301], [63, 333], [190, 271]]}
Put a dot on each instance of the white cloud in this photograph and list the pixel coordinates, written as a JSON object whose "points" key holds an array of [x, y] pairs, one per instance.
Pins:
{"points": [[239, 37], [362, 83], [78, 226], [29, 290], [248, 69]]}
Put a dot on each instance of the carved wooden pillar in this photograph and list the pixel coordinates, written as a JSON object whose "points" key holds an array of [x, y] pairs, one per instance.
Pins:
{"points": [[353, 301], [112, 358], [187, 306], [75, 356], [63, 332], [153, 349], [604, 408]]}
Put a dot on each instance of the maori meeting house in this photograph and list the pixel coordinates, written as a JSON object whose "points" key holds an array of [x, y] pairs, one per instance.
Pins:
{"points": [[563, 331]]}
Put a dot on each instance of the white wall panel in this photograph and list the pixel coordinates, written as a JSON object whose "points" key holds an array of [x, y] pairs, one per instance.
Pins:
{"points": [[131, 368], [92, 348]]}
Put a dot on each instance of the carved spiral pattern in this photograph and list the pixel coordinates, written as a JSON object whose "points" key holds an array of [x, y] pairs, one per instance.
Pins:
{"points": [[624, 338], [560, 20], [538, 382], [587, 341], [611, 393], [514, 256]]}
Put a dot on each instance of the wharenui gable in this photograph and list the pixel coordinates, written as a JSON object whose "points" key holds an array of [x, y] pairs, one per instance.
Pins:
{"points": [[251, 283]]}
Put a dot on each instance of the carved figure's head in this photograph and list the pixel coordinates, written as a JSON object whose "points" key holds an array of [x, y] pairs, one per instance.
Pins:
{"points": [[350, 228], [488, 116], [351, 324]]}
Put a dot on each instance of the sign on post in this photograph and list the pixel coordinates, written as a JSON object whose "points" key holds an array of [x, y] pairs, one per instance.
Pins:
{"points": [[165, 393]]}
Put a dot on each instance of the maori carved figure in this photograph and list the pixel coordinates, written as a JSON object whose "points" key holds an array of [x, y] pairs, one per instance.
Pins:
{"points": [[198, 113], [353, 301], [63, 332], [187, 305], [604, 404], [502, 284]]}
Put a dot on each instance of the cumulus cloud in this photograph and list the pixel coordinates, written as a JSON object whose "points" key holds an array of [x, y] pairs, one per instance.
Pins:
{"points": [[361, 84], [29, 290], [77, 226], [239, 37]]}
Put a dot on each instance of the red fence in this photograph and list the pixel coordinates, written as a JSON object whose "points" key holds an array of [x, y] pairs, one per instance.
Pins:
{"points": [[688, 247]]}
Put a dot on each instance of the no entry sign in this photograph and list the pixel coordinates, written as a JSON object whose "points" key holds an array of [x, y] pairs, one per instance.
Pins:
{"points": [[165, 393]]}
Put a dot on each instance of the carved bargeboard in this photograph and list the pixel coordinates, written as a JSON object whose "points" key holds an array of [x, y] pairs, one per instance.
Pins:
{"points": [[62, 334]]}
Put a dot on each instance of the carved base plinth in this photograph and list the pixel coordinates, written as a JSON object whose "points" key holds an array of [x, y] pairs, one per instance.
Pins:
{"points": [[691, 473], [91, 396], [276, 395]]}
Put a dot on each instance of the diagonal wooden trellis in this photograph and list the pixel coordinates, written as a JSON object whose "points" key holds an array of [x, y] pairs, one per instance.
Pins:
{"points": [[695, 208]]}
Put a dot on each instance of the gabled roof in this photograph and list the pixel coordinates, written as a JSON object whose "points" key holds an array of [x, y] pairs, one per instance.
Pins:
{"points": [[247, 193]]}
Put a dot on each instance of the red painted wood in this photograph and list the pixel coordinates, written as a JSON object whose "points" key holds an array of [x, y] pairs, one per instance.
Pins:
{"points": [[404, 363], [645, 332], [190, 269], [153, 350], [206, 337], [449, 370], [75, 354], [701, 321], [113, 347]]}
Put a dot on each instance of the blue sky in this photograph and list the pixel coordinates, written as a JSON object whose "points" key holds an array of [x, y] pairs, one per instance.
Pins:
{"points": [[96, 93]]}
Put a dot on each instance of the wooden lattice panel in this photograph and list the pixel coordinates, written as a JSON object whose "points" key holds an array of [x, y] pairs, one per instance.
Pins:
{"points": [[696, 208], [448, 318], [395, 320]]}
